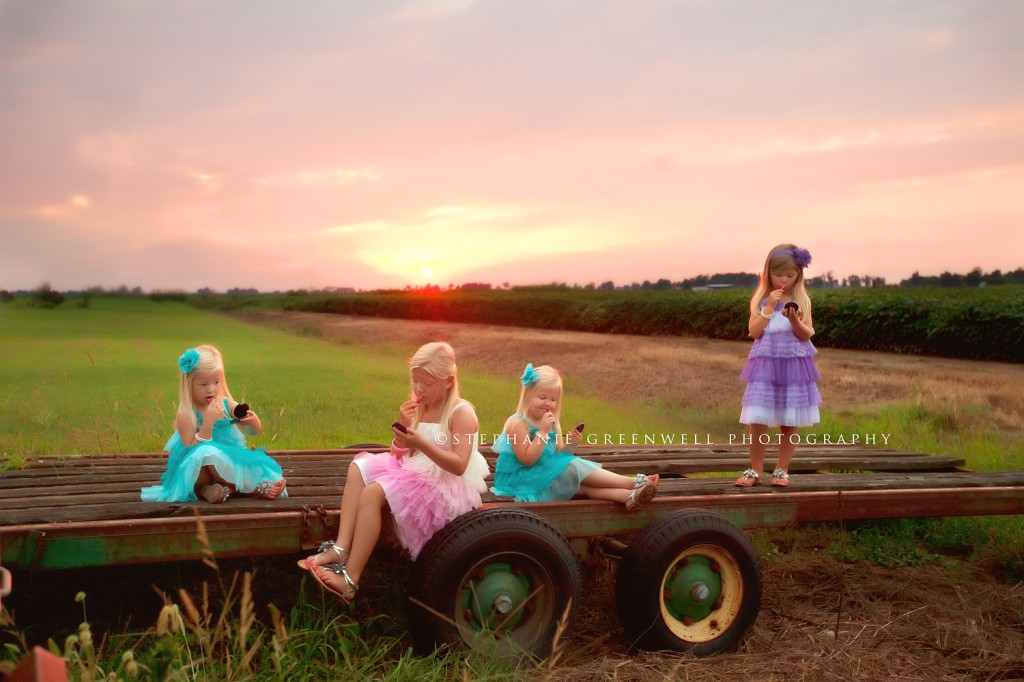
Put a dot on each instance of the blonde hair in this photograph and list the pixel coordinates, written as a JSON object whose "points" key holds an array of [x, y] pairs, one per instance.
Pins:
{"points": [[438, 360], [547, 377], [210, 360], [781, 256]]}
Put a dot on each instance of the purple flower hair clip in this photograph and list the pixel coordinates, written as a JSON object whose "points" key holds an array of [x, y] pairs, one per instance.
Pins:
{"points": [[801, 257]]}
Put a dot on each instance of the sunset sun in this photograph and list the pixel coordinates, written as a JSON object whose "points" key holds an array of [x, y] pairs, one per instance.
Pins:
{"points": [[427, 272]]}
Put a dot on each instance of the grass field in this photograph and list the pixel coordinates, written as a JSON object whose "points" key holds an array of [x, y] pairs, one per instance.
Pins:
{"points": [[103, 379]]}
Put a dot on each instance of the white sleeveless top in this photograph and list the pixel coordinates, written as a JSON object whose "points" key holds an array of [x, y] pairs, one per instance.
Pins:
{"points": [[476, 469]]}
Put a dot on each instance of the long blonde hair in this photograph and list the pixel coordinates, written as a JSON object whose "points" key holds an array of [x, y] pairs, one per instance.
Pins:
{"points": [[210, 360], [547, 377], [438, 360], [781, 256]]}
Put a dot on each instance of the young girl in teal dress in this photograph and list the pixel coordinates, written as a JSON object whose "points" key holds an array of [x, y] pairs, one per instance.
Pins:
{"points": [[208, 457], [532, 467]]}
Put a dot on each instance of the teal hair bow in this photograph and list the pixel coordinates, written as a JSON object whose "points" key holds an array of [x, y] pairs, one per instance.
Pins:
{"points": [[529, 377], [188, 360]]}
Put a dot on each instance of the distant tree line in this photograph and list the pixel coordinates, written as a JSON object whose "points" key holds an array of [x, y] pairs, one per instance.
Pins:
{"points": [[974, 278], [45, 296]]}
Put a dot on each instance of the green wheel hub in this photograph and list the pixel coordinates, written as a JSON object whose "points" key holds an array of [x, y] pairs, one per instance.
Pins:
{"points": [[692, 588], [702, 593], [496, 597]]}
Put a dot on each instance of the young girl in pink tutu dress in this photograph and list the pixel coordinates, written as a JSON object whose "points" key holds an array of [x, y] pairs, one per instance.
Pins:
{"points": [[432, 474], [781, 376]]}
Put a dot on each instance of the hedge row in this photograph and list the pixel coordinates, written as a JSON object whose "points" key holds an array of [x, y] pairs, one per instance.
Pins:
{"points": [[985, 324]]}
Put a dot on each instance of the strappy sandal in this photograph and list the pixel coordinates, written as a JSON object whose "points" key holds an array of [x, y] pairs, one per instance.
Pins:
{"points": [[748, 479], [640, 496], [351, 586], [780, 478], [641, 479], [269, 490], [307, 563], [215, 493]]}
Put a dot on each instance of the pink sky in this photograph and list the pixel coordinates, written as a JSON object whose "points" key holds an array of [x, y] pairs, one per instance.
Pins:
{"points": [[186, 144]]}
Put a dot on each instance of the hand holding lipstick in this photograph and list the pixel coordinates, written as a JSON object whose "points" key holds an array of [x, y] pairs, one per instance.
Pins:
{"points": [[407, 411], [547, 422], [213, 411]]}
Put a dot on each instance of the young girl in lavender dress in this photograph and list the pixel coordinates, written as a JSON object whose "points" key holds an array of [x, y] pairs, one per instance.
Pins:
{"points": [[781, 376], [433, 473]]}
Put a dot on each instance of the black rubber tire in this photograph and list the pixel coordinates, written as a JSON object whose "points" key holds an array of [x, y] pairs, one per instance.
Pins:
{"points": [[470, 553], [659, 552]]}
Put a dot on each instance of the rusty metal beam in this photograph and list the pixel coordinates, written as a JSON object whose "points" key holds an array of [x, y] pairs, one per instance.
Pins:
{"points": [[74, 545]]}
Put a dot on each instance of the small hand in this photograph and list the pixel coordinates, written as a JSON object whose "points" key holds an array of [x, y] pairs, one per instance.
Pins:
{"points": [[548, 420], [249, 419], [774, 297], [213, 410], [407, 411], [410, 439], [573, 437]]}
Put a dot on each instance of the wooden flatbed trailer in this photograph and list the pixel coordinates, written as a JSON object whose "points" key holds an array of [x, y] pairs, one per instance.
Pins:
{"points": [[689, 578]]}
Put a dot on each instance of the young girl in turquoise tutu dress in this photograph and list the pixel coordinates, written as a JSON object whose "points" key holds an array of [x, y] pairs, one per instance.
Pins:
{"points": [[433, 473], [781, 376], [208, 457], [534, 464]]}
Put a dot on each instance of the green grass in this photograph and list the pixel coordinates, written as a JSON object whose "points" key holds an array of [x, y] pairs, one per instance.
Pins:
{"points": [[104, 379]]}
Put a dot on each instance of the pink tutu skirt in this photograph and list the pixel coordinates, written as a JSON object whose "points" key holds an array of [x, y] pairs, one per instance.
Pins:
{"points": [[422, 496]]}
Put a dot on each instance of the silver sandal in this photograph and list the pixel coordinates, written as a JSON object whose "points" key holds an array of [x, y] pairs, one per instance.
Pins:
{"points": [[748, 479], [640, 480], [342, 553], [351, 586], [639, 497]]}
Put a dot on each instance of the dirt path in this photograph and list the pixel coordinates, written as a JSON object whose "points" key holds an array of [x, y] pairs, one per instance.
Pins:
{"points": [[820, 619], [689, 372]]}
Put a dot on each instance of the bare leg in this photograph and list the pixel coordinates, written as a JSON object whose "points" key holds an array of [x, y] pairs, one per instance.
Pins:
{"points": [[350, 497], [613, 494], [757, 447], [367, 530], [602, 478], [787, 447], [354, 487], [204, 479]]}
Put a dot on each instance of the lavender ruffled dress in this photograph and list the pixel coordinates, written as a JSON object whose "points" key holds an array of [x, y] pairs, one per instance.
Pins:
{"points": [[781, 377]]}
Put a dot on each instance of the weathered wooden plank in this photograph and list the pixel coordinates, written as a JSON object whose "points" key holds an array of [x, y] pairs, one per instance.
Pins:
{"points": [[70, 545], [148, 473], [61, 510], [98, 505]]}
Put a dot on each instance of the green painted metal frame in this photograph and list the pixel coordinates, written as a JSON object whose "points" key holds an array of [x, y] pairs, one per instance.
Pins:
{"points": [[75, 545]]}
